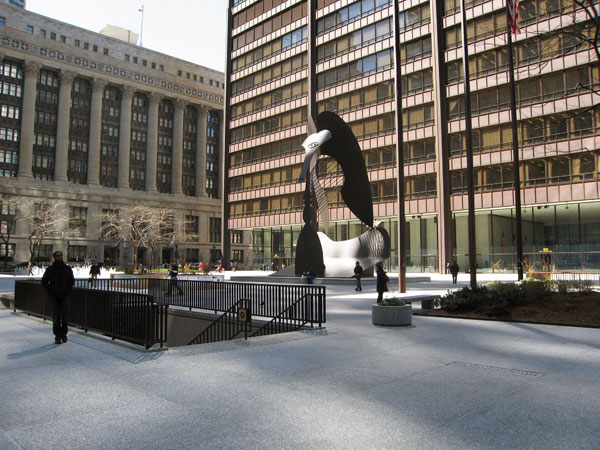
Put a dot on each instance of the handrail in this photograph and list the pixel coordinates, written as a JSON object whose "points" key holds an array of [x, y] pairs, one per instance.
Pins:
{"points": [[277, 324], [227, 326]]}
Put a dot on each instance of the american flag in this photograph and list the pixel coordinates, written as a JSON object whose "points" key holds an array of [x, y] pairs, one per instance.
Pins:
{"points": [[513, 13]]}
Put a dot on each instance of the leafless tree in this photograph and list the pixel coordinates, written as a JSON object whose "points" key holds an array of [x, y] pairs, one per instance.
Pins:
{"points": [[10, 207], [141, 226], [46, 219]]}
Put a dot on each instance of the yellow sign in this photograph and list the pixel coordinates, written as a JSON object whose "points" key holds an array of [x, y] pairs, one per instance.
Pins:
{"points": [[545, 250], [243, 315]]}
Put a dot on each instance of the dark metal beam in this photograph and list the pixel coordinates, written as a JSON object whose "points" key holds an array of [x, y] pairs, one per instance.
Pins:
{"points": [[399, 155], [469, 145]]}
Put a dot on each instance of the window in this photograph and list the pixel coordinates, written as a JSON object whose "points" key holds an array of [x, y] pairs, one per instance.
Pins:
{"points": [[214, 229], [179, 73], [162, 68], [154, 65], [127, 58], [43, 33], [63, 39], [53, 36], [77, 43], [86, 45], [2, 20], [29, 29], [77, 221], [77, 253], [144, 62], [187, 75], [135, 59], [105, 51], [95, 48]]}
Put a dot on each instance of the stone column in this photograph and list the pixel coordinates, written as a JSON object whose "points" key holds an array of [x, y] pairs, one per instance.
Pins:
{"points": [[31, 69], [152, 148], [62, 125], [93, 172], [201, 151], [125, 137], [177, 161]]}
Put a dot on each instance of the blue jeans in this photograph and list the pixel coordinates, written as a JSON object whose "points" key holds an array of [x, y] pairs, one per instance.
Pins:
{"points": [[60, 316]]}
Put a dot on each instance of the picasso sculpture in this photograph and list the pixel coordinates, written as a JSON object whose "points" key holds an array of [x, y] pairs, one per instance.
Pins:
{"points": [[334, 138]]}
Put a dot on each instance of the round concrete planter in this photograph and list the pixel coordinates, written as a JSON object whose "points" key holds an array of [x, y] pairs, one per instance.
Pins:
{"points": [[391, 315]]}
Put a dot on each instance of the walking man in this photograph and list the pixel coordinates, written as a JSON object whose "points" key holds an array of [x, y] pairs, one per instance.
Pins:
{"points": [[358, 270], [58, 280], [454, 271], [94, 272], [173, 272]]}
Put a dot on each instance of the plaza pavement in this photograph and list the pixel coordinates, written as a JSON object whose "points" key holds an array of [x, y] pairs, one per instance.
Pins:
{"points": [[439, 384]]}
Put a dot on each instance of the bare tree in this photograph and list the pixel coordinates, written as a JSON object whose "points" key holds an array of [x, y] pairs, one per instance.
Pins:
{"points": [[9, 211], [46, 220], [139, 225]]}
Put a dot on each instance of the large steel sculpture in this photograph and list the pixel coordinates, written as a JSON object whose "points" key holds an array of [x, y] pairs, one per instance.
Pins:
{"points": [[314, 248]]}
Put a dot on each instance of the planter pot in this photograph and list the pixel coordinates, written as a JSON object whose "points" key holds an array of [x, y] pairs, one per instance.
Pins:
{"points": [[391, 315]]}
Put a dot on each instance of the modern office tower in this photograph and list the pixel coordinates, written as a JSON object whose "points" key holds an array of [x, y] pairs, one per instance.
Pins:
{"points": [[103, 124], [270, 79]]}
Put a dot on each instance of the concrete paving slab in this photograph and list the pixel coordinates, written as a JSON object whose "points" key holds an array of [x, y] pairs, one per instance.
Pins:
{"points": [[439, 384]]}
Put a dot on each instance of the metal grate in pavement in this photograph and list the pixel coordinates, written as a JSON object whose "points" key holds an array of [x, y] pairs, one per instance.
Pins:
{"points": [[526, 373]]}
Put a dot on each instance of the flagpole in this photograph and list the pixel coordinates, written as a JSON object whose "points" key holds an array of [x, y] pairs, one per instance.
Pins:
{"points": [[512, 14], [142, 27]]}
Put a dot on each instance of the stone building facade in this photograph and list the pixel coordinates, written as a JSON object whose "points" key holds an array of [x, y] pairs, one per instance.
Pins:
{"points": [[557, 76], [102, 124]]}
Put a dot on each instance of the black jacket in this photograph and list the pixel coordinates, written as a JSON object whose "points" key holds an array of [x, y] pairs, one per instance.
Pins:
{"points": [[382, 280], [358, 270], [58, 280], [95, 269]]}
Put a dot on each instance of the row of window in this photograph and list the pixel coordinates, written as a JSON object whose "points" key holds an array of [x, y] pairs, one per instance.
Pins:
{"points": [[359, 98], [356, 69], [269, 125], [273, 150], [355, 40], [270, 99], [271, 73], [276, 46]]}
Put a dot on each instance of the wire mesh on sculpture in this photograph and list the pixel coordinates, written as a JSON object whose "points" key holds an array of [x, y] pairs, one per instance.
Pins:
{"points": [[334, 139]]}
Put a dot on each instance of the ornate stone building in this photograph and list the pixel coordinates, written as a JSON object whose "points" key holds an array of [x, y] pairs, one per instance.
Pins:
{"points": [[273, 81], [102, 125]]}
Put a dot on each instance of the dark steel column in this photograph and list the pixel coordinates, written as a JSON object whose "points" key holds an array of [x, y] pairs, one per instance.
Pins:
{"points": [[399, 154], [225, 141], [469, 144], [515, 146], [312, 66]]}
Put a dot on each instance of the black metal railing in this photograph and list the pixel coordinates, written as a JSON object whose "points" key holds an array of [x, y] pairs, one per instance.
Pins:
{"points": [[592, 278], [119, 313], [291, 319], [235, 321], [268, 300]]}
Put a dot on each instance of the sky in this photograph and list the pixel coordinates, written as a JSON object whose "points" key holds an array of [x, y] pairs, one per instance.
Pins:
{"points": [[193, 30]]}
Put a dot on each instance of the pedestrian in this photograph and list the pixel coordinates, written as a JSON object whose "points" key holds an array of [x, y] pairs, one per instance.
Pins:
{"points": [[94, 272], [358, 270], [454, 271], [173, 272], [447, 267], [58, 280], [382, 280]]}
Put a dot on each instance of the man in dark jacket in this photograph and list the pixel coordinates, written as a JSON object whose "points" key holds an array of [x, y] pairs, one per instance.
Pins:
{"points": [[358, 270], [173, 272], [454, 271], [58, 280], [94, 272]]}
